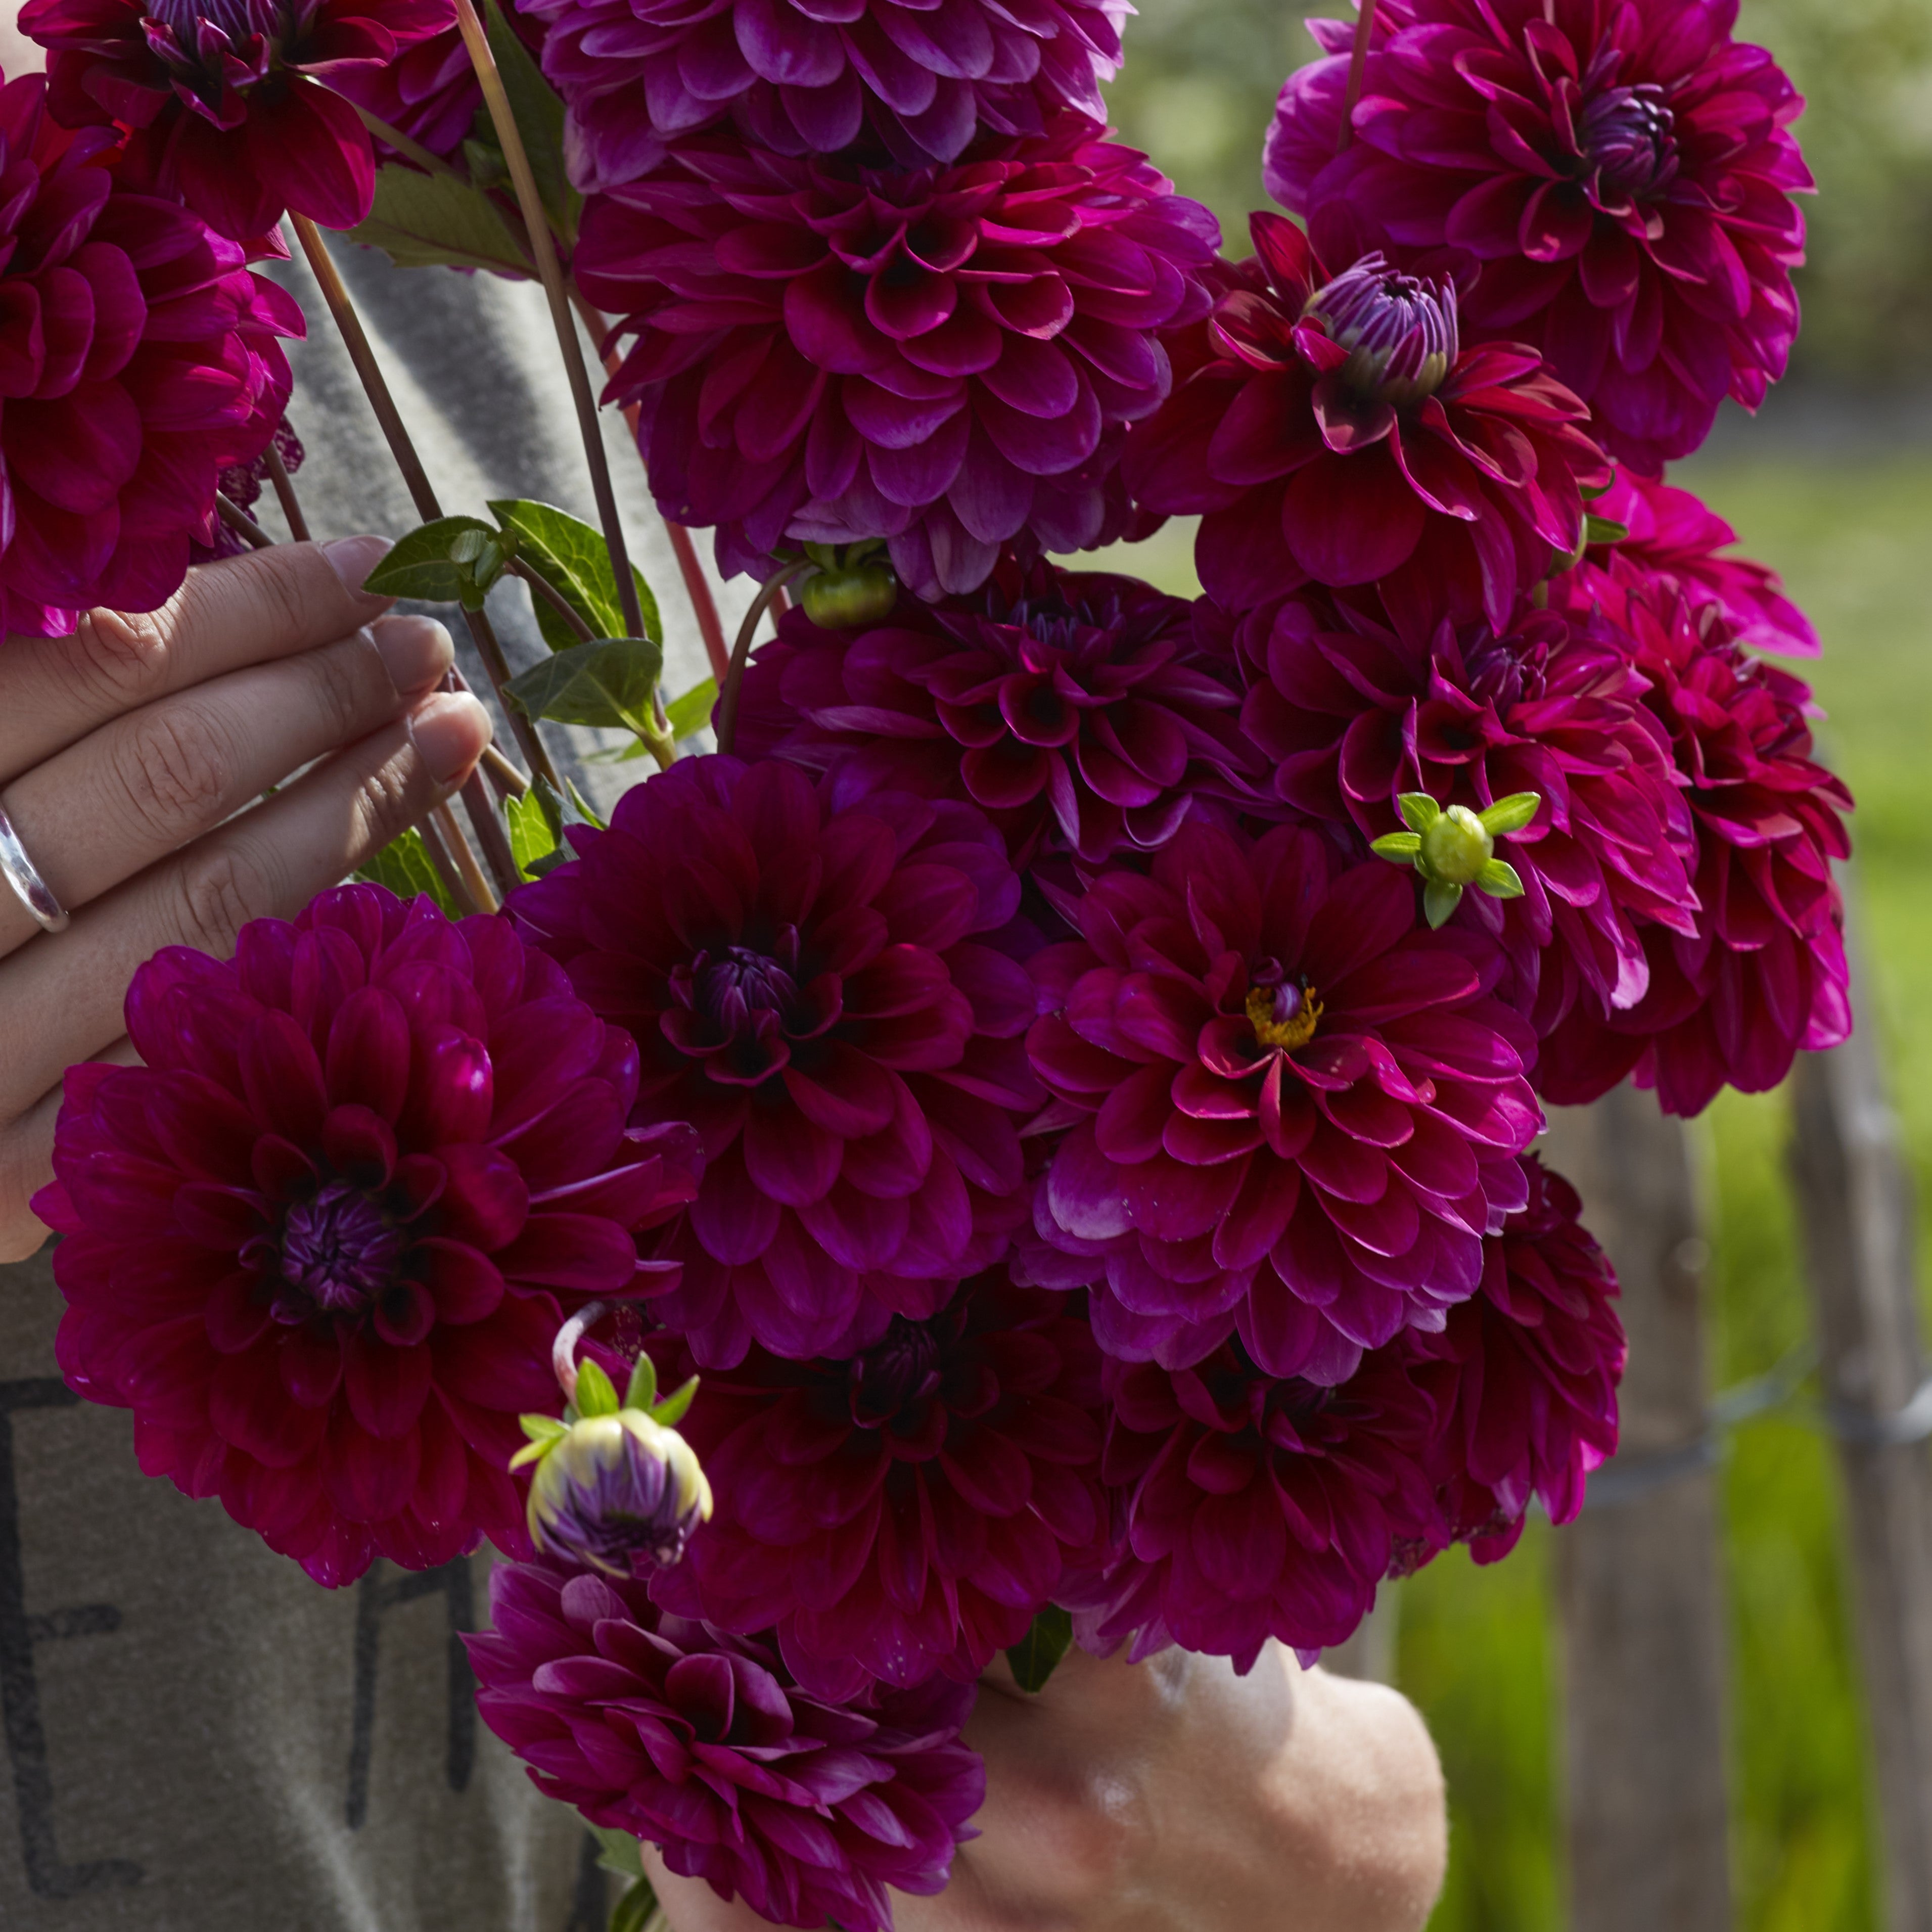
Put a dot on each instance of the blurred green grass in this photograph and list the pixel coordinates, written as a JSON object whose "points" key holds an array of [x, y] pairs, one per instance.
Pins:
{"points": [[1477, 1648]]}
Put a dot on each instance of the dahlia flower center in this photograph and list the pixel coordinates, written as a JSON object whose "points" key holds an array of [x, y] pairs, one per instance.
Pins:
{"points": [[339, 1249], [1399, 330], [240, 21], [1628, 141], [1284, 1012], [1503, 671], [735, 986], [900, 1372]]}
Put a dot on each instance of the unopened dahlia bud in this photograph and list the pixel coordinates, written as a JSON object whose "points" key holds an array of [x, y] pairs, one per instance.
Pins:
{"points": [[1399, 330], [1453, 848], [846, 592], [616, 1488]]}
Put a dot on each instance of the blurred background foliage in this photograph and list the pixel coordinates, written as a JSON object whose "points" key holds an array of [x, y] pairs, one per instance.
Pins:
{"points": [[1830, 488], [1202, 76]]}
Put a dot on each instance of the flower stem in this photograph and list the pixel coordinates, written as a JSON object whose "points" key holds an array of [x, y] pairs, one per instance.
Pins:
{"points": [[285, 494], [550, 271], [1358, 62], [471, 873], [741, 651], [376, 387], [453, 881], [541, 587], [244, 525], [563, 1350]]}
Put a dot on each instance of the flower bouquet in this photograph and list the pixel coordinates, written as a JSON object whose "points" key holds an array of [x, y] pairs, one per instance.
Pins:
{"points": [[1053, 1091]]}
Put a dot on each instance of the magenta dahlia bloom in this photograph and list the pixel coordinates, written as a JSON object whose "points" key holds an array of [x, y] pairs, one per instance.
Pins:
{"points": [[924, 80], [1764, 972], [830, 350], [1621, 173], [909, 1509], [1525, 1376], [242, 485], [1673, 534], [138, 358], [1351, 716], [1336, 431], [1080, 712], [704, 1744], [1296, 1110], [818, 986], [1256, 1506], [321, 1243], [230, 101]]}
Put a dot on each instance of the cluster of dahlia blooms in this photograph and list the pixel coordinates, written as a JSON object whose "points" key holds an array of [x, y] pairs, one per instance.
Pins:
{"points": [[1060, 1082]]}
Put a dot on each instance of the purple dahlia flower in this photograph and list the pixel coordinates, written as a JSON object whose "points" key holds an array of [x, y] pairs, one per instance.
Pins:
{"points": [[1295, 1111], [1621, 173], [1764, 972], [829, 350], [909, 1509], [1080, 712], [1256, 1506], [138, 358], [1525, 1376], [230, 101], [320, 1243], [1338, 432], [242, 484], [1672, 534], [818, 986], [923, 77], [704, 1744], [1352, 715]]}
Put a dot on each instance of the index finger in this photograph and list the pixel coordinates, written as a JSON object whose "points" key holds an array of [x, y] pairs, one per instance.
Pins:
{"points": [[243, 611]]}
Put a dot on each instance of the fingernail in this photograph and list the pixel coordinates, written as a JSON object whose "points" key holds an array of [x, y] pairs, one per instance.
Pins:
{"points": [[354, 557], [449, 731], [415, 651]]}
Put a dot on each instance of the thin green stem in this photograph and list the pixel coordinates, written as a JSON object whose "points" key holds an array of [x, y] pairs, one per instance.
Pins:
{"points": [[1358, 62], [244, 525], [541, 587], [453, 881], [741, 651], [285, 494]]}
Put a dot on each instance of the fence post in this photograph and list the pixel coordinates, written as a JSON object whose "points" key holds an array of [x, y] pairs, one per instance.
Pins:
{"points": [[1854, 1197], [1637, 1583]]}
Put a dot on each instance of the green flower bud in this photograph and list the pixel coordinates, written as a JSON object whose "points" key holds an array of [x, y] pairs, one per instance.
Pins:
{"points": [[1456, 847], [847, 595]]}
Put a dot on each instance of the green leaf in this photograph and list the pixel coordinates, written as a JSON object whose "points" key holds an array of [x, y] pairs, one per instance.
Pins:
{"points": [[690, 714], [1511, 813], [405, 867], [1499, 879], [581, 807], [1037, 1655], [618, 755], [539, 116], [425, 221], [1419, 810], [595, 1394], [1604, 530], [635, 1909], [643, 1388], [1439, 899], [424, 564], [572, 555], [622, 1854], [613, 681], [531, 841], [1400, 846], [675, 1406]]}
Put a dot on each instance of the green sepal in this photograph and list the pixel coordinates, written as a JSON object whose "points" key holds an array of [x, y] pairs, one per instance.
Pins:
{"points": [[1511, 813], [688, 715], [595, 1394], [1419, 810], [425, 221], [1500, 879], [405, 867], [423, 565], [1602, 530], [573, 559], [531, 1452], [1439, 899], [675, 1406], [642, 1388], [1400, 846], [621, 1853], [1590, 492], [541, 1428], [634, 1911], [1037, 1655], [612, 682]]}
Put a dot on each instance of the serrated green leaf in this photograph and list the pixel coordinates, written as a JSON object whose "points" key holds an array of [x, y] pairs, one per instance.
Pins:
{"points": [[1439, 899], [676, 1405], [690, 714], [596, 1395], [573, 556], [539, 117], [1511, 813], [622, 1853], [612, 683], [633, 1912], [1604, 530], [531, 838], [1419, 810], [405, 867], [428, 221], [1500, 879], [643, 1391], [423, 564], [1399, 846], [1037, 1655]]}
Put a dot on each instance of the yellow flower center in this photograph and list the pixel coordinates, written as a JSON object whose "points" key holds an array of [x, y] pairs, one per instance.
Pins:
{"points": [[1284, 1016]]}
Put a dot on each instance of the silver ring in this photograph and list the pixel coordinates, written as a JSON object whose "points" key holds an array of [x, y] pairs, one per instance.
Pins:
{"points": [[29, 888]]}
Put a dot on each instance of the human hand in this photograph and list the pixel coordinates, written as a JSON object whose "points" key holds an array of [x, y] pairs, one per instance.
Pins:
{"points": [[1173, 1796], [126, 753]]}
